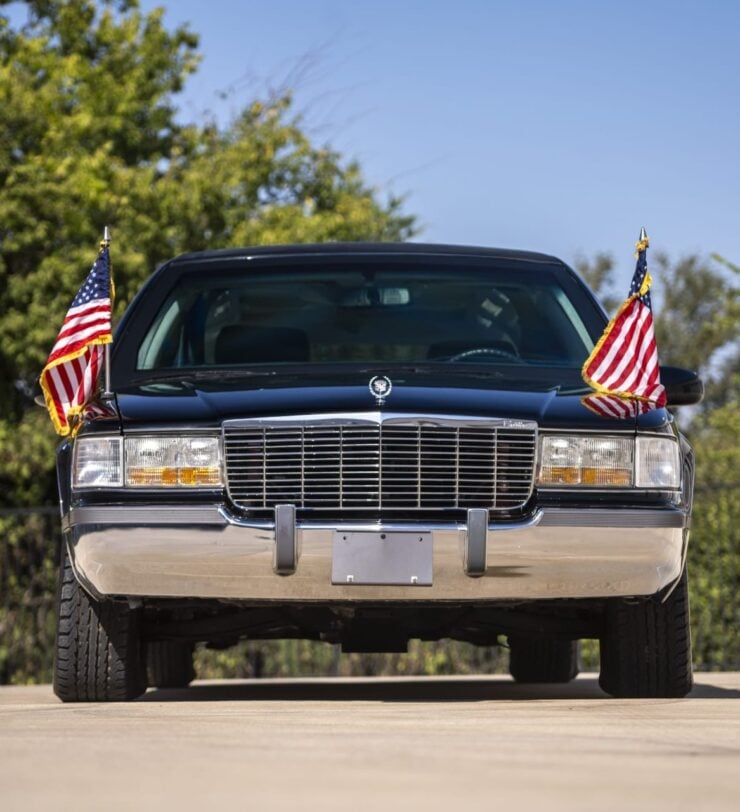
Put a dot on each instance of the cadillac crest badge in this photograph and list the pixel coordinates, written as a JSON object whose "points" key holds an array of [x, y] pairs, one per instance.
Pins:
{"points": [[380, 387]]}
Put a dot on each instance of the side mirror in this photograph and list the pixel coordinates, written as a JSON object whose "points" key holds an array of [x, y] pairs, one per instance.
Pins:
{"points": [[682, 387], [38, 395], [31, 390]]}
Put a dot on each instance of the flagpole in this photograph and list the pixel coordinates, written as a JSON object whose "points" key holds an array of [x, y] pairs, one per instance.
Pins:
{"points": [[106, 394]]}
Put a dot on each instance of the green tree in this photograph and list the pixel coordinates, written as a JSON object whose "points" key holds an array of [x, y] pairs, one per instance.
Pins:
{"points": [[89, 137], [714, 551], [698, 316], [598, 273]]}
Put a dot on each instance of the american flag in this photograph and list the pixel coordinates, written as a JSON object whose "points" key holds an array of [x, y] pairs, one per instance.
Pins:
{"points": [[71, 372], [625, 360]]}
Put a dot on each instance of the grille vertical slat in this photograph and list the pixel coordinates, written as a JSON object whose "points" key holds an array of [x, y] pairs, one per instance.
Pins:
{"points": [[403, 466]]}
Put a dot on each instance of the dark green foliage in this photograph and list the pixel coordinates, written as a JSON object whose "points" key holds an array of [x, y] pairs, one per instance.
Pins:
{"points": [[303, 658], [29, 559], [714, 550], [88, 138]]}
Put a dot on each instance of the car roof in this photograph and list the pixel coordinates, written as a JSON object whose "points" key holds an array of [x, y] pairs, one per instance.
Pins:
{"points": [[367, 249]]}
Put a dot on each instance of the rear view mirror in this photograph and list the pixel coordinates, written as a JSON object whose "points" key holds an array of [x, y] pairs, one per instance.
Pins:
{"points": [[372, 296], [682, 387]]}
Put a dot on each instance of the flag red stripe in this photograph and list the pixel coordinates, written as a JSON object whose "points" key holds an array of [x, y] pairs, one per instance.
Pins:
{"points": [[71, 372], [79, 371], [627, 359], [645, 371], [64, 386], [74, 311], [610, 342], [624, 369], [90, 321], [633, 359], [616, 407], [620, 337], [56, 388], [79, 343], [648, 377]]}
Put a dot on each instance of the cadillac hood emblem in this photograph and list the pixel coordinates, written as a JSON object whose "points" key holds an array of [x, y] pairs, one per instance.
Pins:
{"points": [[380, 387]]}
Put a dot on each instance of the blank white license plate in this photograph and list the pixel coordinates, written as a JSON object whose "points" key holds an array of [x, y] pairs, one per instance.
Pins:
{"points": [[380, 558]]}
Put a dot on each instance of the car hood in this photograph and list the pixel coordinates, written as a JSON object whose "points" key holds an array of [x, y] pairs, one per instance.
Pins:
{"points": [[554, 401]]}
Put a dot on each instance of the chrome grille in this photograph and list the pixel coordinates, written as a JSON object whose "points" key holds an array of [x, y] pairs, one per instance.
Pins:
{"points": [[366, 465]]}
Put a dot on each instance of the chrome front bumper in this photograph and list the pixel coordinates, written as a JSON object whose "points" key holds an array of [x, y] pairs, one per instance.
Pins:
{"points": [[205, 552]]}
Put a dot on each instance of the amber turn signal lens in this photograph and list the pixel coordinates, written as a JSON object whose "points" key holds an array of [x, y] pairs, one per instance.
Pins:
{"points": [[606, 476], [200, 476], [173, 477]]}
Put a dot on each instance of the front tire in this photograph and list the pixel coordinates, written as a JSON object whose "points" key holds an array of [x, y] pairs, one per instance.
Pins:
{"points": [[98, 646], [646, 648], [541, 659]]}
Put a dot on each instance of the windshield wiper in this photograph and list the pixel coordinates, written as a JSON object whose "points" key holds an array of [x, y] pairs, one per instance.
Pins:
{"points": [[441, 367], [192, 375]]}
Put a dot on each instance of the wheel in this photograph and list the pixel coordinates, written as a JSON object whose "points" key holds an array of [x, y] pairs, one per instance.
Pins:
{"points": [[170, 663], [541, 659], [646, 647], [98, 654]]}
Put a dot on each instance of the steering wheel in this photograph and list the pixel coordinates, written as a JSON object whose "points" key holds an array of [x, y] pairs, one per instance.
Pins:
{"points": [[472, 353]]}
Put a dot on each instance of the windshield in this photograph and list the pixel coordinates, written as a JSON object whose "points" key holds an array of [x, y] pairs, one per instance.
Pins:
{"points": [[365, 315]]}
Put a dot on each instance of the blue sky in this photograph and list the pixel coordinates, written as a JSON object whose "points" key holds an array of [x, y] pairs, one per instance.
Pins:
{"points": [[555, 126]]}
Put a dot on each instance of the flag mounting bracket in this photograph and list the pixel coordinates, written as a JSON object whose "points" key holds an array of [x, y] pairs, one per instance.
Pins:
{"points": [[106, 394]]}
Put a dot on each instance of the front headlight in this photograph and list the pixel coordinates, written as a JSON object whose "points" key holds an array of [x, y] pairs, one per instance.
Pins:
{"points": [[97, 463], [657, 463], [172, 462], [592, 461], [147, 461]]}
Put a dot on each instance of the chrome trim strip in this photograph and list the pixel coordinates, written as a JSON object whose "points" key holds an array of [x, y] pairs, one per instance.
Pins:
{"points": [[589, 490], [615, 517], [171, 432], [629, 429], [218, 514], [376, 418], [143, 515], [371, 527]]}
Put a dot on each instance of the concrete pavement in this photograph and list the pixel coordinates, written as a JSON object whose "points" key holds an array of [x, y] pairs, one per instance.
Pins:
{"points": [[431, 744]]}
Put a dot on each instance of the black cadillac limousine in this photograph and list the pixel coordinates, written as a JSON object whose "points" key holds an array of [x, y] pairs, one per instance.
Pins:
{"points": [[364, 444]]}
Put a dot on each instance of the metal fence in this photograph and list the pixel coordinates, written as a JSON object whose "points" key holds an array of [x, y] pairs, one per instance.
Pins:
{"points": [[30, 544]]}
